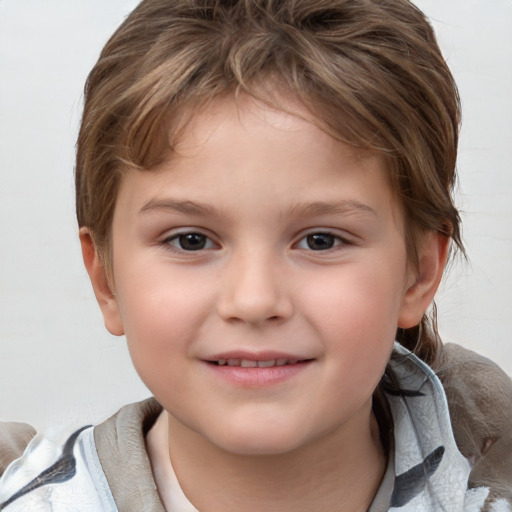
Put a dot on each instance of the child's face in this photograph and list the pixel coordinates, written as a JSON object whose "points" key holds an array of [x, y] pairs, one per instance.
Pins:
{"points": [[265, 240]]}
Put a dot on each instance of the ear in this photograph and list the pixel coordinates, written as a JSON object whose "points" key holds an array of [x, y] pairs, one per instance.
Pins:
{"points": [[102, 288], [425, 281]]}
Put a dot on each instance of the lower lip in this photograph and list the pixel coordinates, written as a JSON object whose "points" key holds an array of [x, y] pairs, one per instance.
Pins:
{"points": [[259, 377]]}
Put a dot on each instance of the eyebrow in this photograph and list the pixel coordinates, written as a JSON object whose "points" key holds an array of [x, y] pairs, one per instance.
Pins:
{"points": [[185, 207], [345, 207], [316, 208]]}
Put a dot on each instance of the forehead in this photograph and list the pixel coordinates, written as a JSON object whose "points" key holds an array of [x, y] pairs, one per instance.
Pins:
{"points": [[238, 150], [230, 121], [272, 104]]}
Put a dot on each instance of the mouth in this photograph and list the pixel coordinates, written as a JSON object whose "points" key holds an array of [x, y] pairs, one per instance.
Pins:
{"points": [[254, 371], [251, 363]]}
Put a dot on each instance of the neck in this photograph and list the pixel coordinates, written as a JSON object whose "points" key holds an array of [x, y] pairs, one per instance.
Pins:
{"points": [[342, 470]]}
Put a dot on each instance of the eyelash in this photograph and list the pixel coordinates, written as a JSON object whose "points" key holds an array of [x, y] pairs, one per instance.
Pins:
{"points": [[337, 240]]}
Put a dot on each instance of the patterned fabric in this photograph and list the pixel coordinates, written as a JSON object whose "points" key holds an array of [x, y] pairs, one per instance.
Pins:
{"points": [[431, 473], [106, 468], [49, 478]]}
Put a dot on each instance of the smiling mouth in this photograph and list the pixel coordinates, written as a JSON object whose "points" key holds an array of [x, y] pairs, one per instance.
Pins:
{"points": [[248, 363]]}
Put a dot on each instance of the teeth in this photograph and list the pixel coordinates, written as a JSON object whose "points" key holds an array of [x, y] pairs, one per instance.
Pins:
{"points": [[248, 363], [266, 364]]}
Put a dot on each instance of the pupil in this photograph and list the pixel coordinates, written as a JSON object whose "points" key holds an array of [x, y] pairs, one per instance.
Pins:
{"points": [[320, 241], [192, 241]]}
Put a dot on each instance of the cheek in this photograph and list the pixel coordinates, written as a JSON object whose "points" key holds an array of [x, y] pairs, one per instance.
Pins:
{"points": [[360, 300], [161, 315], [355, 314]]}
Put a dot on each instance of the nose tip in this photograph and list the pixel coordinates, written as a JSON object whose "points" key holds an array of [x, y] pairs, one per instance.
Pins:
{"points": [[253, 312], [254, 307], [254, 293]]}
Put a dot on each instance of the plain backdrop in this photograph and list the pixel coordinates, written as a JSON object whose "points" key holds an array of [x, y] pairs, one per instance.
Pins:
{"points": [[57, 362]]}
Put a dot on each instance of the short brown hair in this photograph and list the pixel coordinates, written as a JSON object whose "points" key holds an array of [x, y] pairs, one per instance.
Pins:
{"points": [[370, 70]]}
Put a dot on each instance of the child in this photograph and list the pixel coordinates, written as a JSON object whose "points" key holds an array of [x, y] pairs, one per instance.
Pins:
{"points": [[263, 194]]}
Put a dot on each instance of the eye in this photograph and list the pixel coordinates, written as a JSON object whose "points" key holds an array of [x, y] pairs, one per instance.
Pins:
{"points": [[320, 241], [189, 242]]}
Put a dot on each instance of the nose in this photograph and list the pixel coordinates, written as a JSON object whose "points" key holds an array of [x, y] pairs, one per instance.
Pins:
{"points": [[254, 289]]}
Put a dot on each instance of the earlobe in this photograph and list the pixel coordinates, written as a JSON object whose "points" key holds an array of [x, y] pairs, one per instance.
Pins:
{"points": [[419, 295], [102, 288]]}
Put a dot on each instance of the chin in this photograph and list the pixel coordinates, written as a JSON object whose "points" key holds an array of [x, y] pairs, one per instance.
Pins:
{"points": [[258, 439]]}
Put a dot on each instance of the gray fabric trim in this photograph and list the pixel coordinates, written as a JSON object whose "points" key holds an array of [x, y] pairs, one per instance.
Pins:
{"points": [[91, 461], [383, 497], [128, 472]]}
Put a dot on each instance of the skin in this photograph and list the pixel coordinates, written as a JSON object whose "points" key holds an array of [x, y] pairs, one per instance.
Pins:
{"points": [[301, 251]]}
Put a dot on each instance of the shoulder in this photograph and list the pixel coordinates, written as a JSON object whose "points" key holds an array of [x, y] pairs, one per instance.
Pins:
{"points": [[478, 389], [55, 475], [14, 438], [479, 397], [476, 383], [92, 468]]}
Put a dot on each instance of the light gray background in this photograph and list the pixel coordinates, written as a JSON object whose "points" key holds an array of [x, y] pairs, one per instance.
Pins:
{"points": [[57, 362]]}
